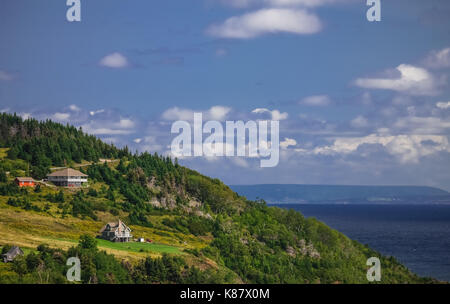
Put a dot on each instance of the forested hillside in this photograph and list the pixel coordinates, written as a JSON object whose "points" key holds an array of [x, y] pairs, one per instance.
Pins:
{"points": [[216, 235], [45, 144]]}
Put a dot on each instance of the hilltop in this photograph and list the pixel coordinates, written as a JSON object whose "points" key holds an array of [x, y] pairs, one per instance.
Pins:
{"points": [[201, 230]]}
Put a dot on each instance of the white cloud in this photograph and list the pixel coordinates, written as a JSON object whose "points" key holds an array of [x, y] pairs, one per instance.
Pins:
{"points": [[92, 128], [114, 60], [74, 108], [61, 116], [360, 122], [408, 148], [275, 114], [267, 21], [125, 123], [5, 76], [214, 113], [438, 59], [176, 113], [316, 101], [93, 113], [24, 116], [443, 105], [287, 142], [110, 124], [137, 140], [412, 80], [218, 113]]}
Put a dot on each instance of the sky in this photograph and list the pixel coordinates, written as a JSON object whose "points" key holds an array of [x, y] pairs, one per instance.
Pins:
{"points": [[358, 102]]}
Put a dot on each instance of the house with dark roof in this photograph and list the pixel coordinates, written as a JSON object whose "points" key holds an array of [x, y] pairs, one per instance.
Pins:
{"points": [[12, 254], [116, 232], [68, 178]]}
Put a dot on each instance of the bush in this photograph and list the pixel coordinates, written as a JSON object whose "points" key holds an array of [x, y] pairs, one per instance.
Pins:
{"points": [[92, 192], [87, 242]]}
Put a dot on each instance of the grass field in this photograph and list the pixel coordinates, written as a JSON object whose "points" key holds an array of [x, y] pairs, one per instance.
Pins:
{"points": [[139, 247]]}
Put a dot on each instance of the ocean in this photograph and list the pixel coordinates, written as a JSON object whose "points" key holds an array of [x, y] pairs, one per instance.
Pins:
{"points": [[416, 235]]}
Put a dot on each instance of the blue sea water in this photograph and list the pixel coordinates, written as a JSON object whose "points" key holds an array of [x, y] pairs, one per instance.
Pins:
{"points": [[417, 235]]}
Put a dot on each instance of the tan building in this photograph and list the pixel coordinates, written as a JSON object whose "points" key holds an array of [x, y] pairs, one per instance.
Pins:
{"points": [[68, 178]]}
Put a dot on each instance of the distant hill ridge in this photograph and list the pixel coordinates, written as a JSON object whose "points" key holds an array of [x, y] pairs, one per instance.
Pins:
{"points": [[298, 193]]}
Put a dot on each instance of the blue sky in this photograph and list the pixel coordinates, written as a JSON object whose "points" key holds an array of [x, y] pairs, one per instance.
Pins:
{"points": [[358, 102]]}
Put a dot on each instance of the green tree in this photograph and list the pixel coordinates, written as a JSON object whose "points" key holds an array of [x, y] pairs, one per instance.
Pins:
{"points": [[87, 242]]}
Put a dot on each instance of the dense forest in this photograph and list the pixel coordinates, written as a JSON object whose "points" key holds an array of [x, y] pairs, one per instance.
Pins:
{"points": [[45, 144], [248, 240]]}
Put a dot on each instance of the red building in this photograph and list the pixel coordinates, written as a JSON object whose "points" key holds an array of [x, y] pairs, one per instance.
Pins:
{"points": [[25, 182]]}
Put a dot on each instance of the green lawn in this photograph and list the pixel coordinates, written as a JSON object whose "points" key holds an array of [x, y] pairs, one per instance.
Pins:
{"points": [[137, 247], [133, 246]]}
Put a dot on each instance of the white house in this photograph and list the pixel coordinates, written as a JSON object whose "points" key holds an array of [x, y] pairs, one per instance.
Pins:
{"points": [[68, 178]]}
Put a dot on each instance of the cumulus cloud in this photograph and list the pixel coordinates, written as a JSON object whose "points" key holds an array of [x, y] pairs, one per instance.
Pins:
{"points": [[61, 116], [115, 61], [316, 101], [408, 148], [287, 142], [125, 123], [214, 113], [267, 21], [24, 115], [438, 59], [109, 126], [411, 80], [74, 108], [274, 114]]}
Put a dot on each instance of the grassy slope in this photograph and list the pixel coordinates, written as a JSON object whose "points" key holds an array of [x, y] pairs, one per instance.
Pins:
{"points": [[28, 229]]}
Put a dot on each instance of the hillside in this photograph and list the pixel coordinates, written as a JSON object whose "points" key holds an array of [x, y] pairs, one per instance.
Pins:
{"points": [[201, 231], [298, 194]]}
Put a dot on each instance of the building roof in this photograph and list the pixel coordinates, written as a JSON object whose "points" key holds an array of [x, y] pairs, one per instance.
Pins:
{"points": [[13, 252], [67, 172], [25, 179], [118, 226]]}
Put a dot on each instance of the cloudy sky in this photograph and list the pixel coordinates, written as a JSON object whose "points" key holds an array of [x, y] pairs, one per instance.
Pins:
{"points": [[358, 102]]}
